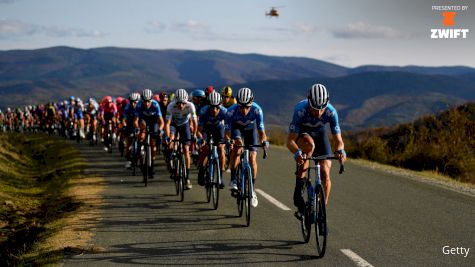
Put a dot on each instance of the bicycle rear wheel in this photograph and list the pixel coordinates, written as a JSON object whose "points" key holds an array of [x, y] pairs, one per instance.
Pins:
{"points": [[208, 182], [321, 227], [182, 178], [215, 177], [145, 168], [247, 195]]}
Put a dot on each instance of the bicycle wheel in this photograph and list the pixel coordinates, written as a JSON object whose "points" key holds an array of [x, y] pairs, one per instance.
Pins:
{"points": [[133, 154], [248, 195], [182, 177], [145, 166], [308, 219], [321, 232], [176, 174], [215, 177], [208, 182], [239, 195]]}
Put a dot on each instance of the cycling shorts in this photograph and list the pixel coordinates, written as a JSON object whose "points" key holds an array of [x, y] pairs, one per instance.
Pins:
{"points": [[322, 143], [249, 136], [183, 130], [216, 131]]}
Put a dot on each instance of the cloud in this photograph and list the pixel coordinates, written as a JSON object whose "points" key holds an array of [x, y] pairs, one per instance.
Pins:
{"points": [[192, 26], [294, 29], [7, 1], [16, 28], [155, 27], [362, 30]]}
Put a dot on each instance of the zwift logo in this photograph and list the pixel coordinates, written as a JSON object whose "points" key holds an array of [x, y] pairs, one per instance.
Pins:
{"points": [[448, 15]]}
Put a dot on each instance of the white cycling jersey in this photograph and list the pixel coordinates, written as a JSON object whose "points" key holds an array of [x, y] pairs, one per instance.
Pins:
{"points": [[180, 117]]}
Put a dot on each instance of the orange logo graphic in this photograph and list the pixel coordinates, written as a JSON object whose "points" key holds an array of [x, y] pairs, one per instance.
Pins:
{"points": [[449, 18]]}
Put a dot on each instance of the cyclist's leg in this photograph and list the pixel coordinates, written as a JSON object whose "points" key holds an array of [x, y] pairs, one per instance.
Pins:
{"points": [[203, 159], [235, 156], [185, 139], [306, 144], [323, 147]]}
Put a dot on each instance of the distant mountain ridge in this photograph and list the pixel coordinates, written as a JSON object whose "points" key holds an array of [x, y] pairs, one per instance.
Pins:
{"points": [[365, 96]]}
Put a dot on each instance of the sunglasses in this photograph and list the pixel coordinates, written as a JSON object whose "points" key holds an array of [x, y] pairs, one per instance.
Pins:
{"points": [[180, 103], [226, 96], [244, 106], [214, 107]]}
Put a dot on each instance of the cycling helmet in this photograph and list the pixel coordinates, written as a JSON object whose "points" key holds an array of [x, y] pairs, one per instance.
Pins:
{"points": [[156, 98], [147, 94], [163, 95], [198, 93], [245, 97], [71, 98], [134, 96], [108, 99], [318, 96], [181, 95], [214, 99], [227, 91], [118, 100], [125, 102]]}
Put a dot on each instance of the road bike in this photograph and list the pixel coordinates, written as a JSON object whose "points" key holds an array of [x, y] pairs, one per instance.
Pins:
{"points": [[244, 182], [146, 157], [178, 166], [315, 208], [213, 175]]}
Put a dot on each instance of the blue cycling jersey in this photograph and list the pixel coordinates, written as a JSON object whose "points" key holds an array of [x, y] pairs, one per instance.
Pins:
{"points": [[130, 113], [304, 121], [207, 120], [150, 115], [255, 118]]}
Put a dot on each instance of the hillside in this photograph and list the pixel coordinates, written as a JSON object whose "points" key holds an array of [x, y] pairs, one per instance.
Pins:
{"points": [[366, 96], [444, 143]]}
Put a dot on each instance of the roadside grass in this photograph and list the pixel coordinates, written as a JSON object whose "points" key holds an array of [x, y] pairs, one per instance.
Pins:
{"points": [[35, 175]]}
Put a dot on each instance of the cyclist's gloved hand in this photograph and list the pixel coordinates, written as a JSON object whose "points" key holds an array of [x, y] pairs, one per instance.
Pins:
{"points": [[341, 153], [298, 156], [265, 143], [166, 139]]}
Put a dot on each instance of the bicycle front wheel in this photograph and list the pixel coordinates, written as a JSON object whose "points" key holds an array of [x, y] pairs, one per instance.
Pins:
{"points": [[182, 178], [321, 227], [208, 184], [215, 180], [248, 195], [239, 195], [308, 218]]}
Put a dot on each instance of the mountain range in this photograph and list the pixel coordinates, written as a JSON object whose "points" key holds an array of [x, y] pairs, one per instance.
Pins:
{"points": [[365, 96]]}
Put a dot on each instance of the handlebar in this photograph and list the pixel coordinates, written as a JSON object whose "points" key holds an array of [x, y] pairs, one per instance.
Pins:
{"points": [[325, 157], [262, 146]]}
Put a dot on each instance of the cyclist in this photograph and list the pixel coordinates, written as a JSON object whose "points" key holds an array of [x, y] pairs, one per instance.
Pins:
{"points": [[308, 137], [149, 115], [108, 114], [227, 96], [91, 115], [128, 120], [198, 99], [181, 118], [245, 121], [163, 104], [211, 122]]}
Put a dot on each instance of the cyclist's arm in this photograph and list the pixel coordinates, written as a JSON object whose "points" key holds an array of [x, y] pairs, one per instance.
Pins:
{"points": [[292, 142], [339, 143], [167, 127], [262, 135]]}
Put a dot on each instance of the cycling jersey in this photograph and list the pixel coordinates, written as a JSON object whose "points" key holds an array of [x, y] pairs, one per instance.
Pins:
{"points": [[212, 125], [150, 115], [304, 121], [230, 102], [255, 118], [180, 117]]}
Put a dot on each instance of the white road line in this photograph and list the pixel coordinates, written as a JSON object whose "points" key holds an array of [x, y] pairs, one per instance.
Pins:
{"points": [[272, 199], [357, 259]]}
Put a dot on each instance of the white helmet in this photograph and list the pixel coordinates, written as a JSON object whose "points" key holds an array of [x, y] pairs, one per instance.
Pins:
{"points": [[134, 96], [318, 96], [245, 96], [181, 95], [147, 94], [214, 99]]}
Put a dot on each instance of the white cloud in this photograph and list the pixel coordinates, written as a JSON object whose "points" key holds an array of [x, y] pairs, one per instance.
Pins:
{"points": [[16, 28], [7, 1], [192, 26], [155, 27], [362, 30]]}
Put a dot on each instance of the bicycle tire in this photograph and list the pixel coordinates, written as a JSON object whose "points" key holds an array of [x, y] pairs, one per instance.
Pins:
{"points": [[215, 184], [248, 195], [239, 195], [145, 166], [208, 183], [176, 175], [134, 156], [182, 177], [321, 232]]}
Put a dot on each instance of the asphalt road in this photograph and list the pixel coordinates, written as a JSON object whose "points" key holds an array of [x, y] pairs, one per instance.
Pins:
{"points": [[375, 218]]}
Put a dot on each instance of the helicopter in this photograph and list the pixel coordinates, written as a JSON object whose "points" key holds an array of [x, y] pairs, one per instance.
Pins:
{"points": [[273, 13]]}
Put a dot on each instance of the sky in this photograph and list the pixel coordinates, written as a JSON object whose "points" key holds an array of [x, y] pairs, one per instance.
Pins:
{"points": [[345, 32]]}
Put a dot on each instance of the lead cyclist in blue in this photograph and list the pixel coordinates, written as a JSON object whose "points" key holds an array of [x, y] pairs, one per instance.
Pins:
{"points": [[307, 137]]}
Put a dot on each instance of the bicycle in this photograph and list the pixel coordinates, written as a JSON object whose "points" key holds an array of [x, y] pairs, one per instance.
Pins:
{"points": [[146, 157], [315, 208], [213, 175], [178, 166], [134, 151], [244, 182]]}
